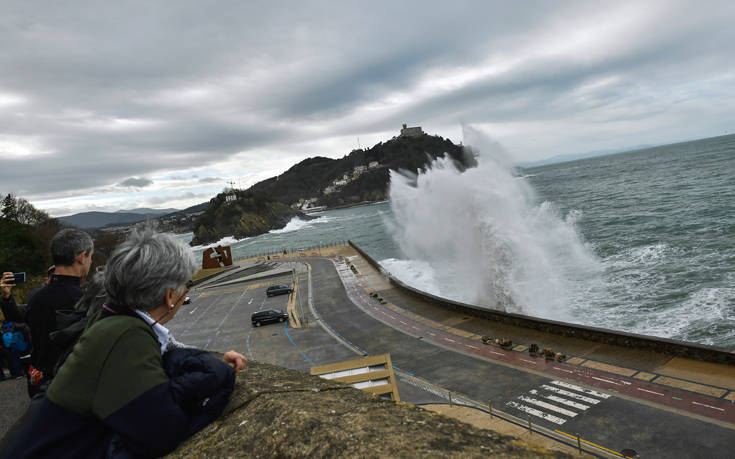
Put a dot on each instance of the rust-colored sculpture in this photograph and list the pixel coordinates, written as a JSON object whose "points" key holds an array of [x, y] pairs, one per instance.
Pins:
{"points": [[222, 258]]}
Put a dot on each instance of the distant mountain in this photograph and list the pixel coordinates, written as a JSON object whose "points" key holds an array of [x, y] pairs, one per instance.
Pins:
{"points": [[146, 211], [91, 220]]}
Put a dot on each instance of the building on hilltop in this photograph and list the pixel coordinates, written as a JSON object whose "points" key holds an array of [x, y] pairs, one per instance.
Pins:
{"points": [[411, 131]]}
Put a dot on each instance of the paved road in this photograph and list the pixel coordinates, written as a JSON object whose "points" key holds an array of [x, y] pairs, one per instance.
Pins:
{"points": [[607, 410]]}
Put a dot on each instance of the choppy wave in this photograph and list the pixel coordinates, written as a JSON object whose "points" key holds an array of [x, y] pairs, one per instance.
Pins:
{"points": [[484, 239], [227, 240], [297, 224]]}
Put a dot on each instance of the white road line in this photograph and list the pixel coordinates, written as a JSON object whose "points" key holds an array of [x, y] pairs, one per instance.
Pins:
{"points": [[529, 361], [432, 334], [404, 323], [473, 347], [562, 369], [651, 392], [708, 406], [447, 339], [570, 394], [548, 406], [192, 311], [537, 413], [606, 380], [563, 401], [251, 300], [496, 353], [580, 389]]}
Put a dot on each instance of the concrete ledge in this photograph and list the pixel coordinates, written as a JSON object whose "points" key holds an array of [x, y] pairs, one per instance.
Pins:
{"points": [[600, 335]]}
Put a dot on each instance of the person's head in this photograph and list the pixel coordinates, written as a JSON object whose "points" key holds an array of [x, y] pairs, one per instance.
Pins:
{"points": [[72, 249], [94, 295], [149, 270]]}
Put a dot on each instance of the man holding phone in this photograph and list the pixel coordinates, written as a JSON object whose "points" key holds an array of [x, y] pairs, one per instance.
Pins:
{"points": [[71, 251], [11, 313]]}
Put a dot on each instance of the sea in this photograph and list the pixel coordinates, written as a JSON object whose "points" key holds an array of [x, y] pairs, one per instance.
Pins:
{"points": [[641, 242]]}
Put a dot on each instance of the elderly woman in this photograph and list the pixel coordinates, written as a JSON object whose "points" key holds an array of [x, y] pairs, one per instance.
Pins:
{"points": [[117, 393]]}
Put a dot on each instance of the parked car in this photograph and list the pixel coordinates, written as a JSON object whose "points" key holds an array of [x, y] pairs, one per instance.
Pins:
{"points": [[264, 317], [278, 290]]}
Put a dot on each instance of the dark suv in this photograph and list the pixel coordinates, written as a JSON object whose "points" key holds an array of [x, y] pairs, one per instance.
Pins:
{"points": [[271, 315], [278, 290]]}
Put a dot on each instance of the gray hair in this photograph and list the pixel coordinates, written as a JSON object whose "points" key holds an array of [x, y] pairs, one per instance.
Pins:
{"points": [[94, 295], [67, 244], [144, 267]]}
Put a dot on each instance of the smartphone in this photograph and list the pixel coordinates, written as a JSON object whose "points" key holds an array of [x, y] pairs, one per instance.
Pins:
{"points": [[19, 278]]}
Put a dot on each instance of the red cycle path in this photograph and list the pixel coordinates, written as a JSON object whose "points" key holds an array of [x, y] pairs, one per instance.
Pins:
{"points": [[710, 407]]}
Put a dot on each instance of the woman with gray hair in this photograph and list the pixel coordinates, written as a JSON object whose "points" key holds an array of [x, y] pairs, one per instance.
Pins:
{"points": [[117, 393]]}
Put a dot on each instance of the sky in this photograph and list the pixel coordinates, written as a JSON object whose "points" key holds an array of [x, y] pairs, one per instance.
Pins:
{"points": [[118, 105]]}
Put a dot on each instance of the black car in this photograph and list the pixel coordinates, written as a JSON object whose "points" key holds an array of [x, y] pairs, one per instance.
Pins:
{"points": [[278, 290], [271, 315]]}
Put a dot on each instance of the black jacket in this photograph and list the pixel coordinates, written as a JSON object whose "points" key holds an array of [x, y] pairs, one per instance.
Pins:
{"points": [[61, 293]]}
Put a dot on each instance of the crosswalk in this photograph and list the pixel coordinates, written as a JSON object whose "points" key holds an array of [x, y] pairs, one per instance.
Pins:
{"points": [[557, 401]]}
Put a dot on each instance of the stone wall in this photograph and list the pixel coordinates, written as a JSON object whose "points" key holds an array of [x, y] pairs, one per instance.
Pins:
{"points": [[600, 335]]}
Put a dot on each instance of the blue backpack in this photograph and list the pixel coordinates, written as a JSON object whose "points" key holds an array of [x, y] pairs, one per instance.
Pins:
{"points": [[13, 338]]}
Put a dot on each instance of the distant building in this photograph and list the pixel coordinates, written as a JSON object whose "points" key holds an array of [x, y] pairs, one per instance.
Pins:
{"points": [[373, 164], [411, 131], [360, 169], [329, 190]]}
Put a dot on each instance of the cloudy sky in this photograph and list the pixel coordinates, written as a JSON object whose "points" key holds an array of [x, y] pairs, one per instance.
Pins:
{"points": [[116, 105]]}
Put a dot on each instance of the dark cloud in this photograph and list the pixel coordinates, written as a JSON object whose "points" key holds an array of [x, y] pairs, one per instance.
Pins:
{"points": [[136, 182], [96, 94]]}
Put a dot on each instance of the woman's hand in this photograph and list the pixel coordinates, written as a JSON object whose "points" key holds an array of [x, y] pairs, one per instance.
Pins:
{"points": [[235, 360], [6, 284]]}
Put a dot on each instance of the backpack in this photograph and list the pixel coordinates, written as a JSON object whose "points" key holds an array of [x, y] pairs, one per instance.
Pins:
{"points": [[70, 326], [15, 337]]}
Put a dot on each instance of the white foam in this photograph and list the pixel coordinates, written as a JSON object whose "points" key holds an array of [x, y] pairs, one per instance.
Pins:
{"points": [[297, 224], [485, 240], [227, 240]]}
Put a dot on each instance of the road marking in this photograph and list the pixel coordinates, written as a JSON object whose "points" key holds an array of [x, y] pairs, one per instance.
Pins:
{"points": [[496, 353], [606, 380], [580, 389], [651, 392], [708, 406], [432, 334], [563, 401], [473, 347], [404, 323], [571, 394], [251, 301], [193, 310], [447, 339], [548, 406], [537, 413], [529, 361], [562, 369]]}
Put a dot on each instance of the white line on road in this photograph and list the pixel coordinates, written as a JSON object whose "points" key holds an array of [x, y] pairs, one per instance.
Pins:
{"points": [[496, 353], [404, 323], [529, 361], [432, 334], [580, 389], [473, 347], [537, 413], [251, 300], [651, 392], [607, 381], [563, 401], [447, 339], [562, 369], [570, 394], [708, 406], [548, 406], [192, 311]]}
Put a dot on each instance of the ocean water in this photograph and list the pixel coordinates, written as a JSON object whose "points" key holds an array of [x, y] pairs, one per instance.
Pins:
{"points": [[642, 242]]}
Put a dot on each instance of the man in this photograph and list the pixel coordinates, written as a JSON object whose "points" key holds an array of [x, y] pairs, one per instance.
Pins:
{"points": [[71, 251]]}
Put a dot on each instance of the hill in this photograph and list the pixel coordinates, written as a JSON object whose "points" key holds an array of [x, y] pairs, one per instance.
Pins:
{"points": [[89, 220], [363, 175], [240, 214]]}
